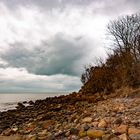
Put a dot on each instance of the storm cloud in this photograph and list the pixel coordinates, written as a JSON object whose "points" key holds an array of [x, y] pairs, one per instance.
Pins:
{"points": [[61, 55], [44, 45]]}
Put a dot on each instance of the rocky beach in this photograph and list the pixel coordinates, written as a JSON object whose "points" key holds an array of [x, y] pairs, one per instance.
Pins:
{"points": [[69, 70], [75, 117]]}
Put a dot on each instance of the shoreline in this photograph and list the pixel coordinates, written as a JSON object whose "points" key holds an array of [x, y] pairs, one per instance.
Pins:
{"points": [[10, 100], [74, 117]]}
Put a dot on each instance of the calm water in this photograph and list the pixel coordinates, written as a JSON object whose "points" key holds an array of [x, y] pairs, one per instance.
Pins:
{"points": [[9, 100]]}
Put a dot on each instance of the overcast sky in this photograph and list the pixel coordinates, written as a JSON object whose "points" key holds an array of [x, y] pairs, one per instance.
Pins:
{"points": [[44, 44]]}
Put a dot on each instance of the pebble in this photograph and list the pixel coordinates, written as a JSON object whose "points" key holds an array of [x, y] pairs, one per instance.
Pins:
{"points": [[82, 133], [102, 124], [92, 133], [135, 136], [134, 131], [87, 120], [68, 118], [121, 129]]}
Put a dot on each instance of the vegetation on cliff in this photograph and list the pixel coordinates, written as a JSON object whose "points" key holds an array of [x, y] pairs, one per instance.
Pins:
{"points": [[122, 67]]}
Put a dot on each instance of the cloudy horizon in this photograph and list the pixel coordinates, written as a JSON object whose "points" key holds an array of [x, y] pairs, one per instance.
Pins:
{"points": [[44, 45]]}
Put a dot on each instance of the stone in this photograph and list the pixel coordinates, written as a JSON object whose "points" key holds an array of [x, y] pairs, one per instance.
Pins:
{"points": [[82, 133], [8, 132], [34, 137], [74, 131], [60, 132], [30, 127], [15, 137], [31, 136], [15, 129], [87, 120], [118, 121], [135, 122], [67, 133], [115, 138], [86, 127], [85, 138], [41, 138], [107, 137], [74, 137], [31, 103], [102, 124], [121, 129], [94, 124], [123, 137], [20, 105], [92, 133], [133, 131], [43, 133], [47, 124], [134, 136]]}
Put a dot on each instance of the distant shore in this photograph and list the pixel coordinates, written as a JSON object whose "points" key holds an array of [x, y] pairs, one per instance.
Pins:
{"points": [[9, 101]]}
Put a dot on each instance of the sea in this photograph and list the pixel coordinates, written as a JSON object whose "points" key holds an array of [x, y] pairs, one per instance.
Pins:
{"points": [[8, 101]]}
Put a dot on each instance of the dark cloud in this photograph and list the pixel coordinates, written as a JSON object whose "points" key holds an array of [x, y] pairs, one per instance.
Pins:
{"points": [[46, 43], [63, 55], [98, 7], [47, 3]]}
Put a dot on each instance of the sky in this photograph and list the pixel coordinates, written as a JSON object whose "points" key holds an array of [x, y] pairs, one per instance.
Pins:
{"points": [[45, 44]]}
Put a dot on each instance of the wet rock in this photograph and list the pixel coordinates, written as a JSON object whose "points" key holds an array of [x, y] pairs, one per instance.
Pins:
{"points": [[20, 106], [31, 103], [24, 102]]}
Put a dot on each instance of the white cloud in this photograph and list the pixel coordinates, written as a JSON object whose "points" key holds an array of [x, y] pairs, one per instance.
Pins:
{"points": [[53, 38], [20, 80]]}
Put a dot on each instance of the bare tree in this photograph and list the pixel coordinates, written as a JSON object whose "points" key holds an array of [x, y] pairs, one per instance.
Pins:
{"points": [[126, 34]]}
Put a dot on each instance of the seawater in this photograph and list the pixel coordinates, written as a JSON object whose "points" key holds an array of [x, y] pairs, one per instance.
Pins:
{"points": [[9, 101]]}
